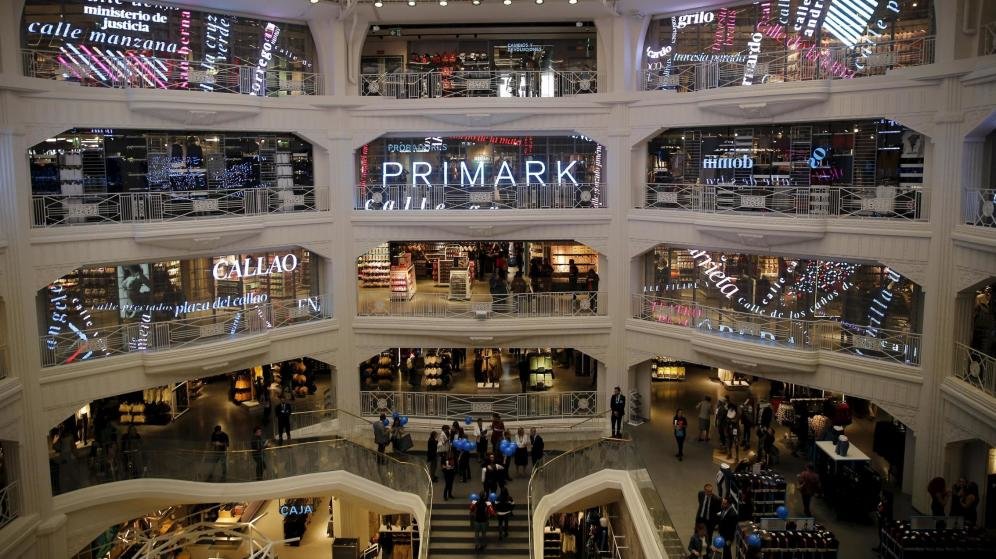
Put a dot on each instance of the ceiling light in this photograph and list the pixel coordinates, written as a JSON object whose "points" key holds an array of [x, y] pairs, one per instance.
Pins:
{"points": [[378, 4], [411, 3], [477, 2], [539, 1], [442, 2], [314, 1], [579, 24], [507, 2], [376, 27], [572, 1]]}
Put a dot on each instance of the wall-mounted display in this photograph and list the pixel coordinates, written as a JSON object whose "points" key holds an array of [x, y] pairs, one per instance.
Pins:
{"points": [[164, 46]]}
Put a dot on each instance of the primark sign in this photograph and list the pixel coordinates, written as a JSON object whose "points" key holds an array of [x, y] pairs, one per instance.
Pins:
{"points": [[535, 172]]}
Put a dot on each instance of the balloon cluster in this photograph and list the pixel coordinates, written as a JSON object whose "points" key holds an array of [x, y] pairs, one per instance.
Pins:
{"points": [[508, 448], [464, 445], [403, 419], [468, 420]]}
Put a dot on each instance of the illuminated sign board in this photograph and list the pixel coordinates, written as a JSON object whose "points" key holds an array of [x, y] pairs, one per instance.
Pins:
{"points": [[287, 510], [713, 272], [224, 269], [475, 174], [695, 19], [716, 162]]}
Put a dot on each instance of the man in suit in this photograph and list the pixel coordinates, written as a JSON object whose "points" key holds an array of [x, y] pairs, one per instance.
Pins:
{"points": [[726, 524], [536, 446], [617, 405], [381, 436], [284, 411], [708, 509]]}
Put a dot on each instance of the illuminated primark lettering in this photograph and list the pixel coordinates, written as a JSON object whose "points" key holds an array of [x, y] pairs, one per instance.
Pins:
{"points": [[712, 270], [754, 49], [270, 35], [716, 162], [225, 270], [422, 171]]}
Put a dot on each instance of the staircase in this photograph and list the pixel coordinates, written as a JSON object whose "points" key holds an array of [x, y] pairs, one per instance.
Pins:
{"points": [[452, 535]]}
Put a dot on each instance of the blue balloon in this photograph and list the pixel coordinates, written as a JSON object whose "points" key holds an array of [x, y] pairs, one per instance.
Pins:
{"points": [[386, 422], [492, 497], [754, 541], [474, 497], [509, 449], [718, 542], [404, 420], [782, 512], [395, 415], [468, 420]]}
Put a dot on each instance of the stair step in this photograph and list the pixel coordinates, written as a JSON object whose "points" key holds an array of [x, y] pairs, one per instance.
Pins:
{"points": [[465, 519], [436, 537], [468, 551]]}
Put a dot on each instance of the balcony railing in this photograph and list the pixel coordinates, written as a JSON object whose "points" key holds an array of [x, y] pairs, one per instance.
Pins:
{"points": [[479, 83], [76, 344], [811, 335], [10, 507], [512, 407], [4, 366], [988, 39], [801, 64], [975, 368], [481, 306], [53, 210], [108, 67], [979, 207], [449, 197], [881, 202], [605, 454]]}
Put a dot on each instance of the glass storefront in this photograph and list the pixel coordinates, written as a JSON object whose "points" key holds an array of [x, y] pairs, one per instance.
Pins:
{"points": [[480, 172], [161, 46], [89, 161], [779, 287]]}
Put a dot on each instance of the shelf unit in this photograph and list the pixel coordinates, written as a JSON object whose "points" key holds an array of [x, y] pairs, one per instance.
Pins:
{"points": [[552, 544], [459, 285], [374, 267], [666, 369], [402, 278]]}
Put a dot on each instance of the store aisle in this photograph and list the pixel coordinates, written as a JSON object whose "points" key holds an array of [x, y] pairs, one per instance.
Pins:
{"points": [[678, 483]]}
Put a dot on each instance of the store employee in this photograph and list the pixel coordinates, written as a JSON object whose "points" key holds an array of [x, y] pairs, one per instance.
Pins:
{"points": [[617, 405]]}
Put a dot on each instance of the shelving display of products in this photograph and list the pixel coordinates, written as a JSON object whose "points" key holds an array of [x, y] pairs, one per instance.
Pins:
{"points": [[765, 491], [666, 369], [900, 540], [432, 374], [460, 285], [402, 278], [732, 380], [540, 371], [636, 416], [818, 543], [379, 373], [561, 254], [374, 267], [242, 387]]}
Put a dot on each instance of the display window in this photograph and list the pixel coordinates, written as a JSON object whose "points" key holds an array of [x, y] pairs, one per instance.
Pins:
{"points": [[93, 310], [162, 46], [480, 172], [541, 60], [869, 296], [764, 42], [97, 161]]}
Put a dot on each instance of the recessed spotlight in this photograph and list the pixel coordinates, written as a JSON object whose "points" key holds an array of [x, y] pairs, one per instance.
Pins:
{"points": [[375, 27], [314, 1], [443, 2], [572, 1], [507, 2], [477, 2], [411, 3], [539, 1], [579, 24], [378, 4]]}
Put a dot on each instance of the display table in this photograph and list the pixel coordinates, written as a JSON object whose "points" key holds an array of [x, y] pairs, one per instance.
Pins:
{"points": [[850, 485], [853, 454]]}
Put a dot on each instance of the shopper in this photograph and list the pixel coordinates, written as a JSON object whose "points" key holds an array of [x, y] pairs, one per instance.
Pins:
{"points": [[699, 546], [705, 413], [481, 436], [131, 449], [680, 432], [939, 495], [808, 483], [970, 503], [708, 509], [432, 454], [449, 474], [721, 422], [521, 452], [573, 274], [732, 432], [497, 430], [506, 461], [481, 512], [957, 492], [258, 444], [523, 367], [591, 284], [766, 448], [492, 475], [617, 406], [381, 437], [219, 448], [503, 508], [746, 421], [726, 525], [536, 447], [463, 464], [284, 411]]}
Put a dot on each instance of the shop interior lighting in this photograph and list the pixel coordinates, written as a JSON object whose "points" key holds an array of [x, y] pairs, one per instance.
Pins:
{"points": [[314, 1], [477, 2], [411, 3], [507, 2], [443, 2], [572, 1], [378, 4], [539, 1]]}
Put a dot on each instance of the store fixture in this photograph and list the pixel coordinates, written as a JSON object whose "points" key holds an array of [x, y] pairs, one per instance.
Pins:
{"points": [[764, 489], [402, 529], [732, 380], [402, 278], [786, 539], [934, 537], [374, 267], [636, 413], [666, 369], [850, 483], [460, 285]]}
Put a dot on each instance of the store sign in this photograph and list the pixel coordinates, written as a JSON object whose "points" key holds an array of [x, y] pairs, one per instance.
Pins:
{"points": [[753, 50], [270, 35], [523, 47], [534, 173], [716, 162], [713, 272], [710, 57], [695, 19], [224, 269], [429, 145], [819, 154], [286, 510]]}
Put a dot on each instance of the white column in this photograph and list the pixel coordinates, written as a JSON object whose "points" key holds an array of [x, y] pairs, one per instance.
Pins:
{"points": [[10, 38]]}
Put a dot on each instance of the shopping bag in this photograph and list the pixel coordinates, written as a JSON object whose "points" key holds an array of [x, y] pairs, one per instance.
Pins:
{"points": [[404, 443]]}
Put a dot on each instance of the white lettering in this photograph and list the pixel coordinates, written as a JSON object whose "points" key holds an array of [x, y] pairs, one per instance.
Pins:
{"points": [[504, 173], [280, 264], [424, 176], [561, 173], [537, 174]]}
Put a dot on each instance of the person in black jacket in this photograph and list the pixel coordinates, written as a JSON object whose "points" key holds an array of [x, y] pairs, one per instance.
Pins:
{"points": [[727, 525], [617, 405], [432, 454], [707, 509], [503, 509], [699, 546], [284, 411], [536, 447]]}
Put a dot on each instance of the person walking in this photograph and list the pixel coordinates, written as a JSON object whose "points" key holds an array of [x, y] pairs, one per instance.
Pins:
{"points": [[219, 446], [721, 422], [617, 405], [726, 525], [503, 509], [258, 444], [521, 452], [481, 512], [284, 410], [432, 454], [747, 415], [698, 545], [497, 430], [449, 474], [970, 503], [680, 432], [523, 368], [463, 465], [535, 447], [131, 450], [481, 436], [573, 274], [705, 413], [808, 483], [939, 495], [381, 437], [492, 475], [708, 509], [591, 283]]}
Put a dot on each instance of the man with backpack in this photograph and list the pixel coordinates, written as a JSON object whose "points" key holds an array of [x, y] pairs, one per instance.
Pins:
{"points": [[481, 512]]}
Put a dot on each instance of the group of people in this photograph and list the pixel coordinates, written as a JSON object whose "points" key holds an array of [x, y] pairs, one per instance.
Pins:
{"points": [[713, 515], [961, 499], [734, 425]]}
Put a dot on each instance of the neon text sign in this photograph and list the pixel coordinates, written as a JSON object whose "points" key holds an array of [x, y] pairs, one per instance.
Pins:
{"points": [[280, 264]]}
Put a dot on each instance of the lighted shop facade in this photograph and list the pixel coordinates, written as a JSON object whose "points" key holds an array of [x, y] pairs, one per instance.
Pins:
{"points": [[163, 46], [98, 310], [740, 40]]}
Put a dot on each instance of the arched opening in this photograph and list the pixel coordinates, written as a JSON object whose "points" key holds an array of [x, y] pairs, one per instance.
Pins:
{"points": [[970, 470]]}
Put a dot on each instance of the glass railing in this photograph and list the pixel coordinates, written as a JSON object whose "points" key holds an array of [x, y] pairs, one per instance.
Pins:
{"points": [[511, 407], [479, 83], [979, 207], [690, 73], [481, 306], [424, 197], [9, 503], [810, 335], [976, 368], [74, 344], [129, 69], [881, 202], [53, 210], [604, 454]]}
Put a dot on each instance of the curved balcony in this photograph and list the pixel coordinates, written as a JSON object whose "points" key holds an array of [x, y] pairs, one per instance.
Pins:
{"points": [[809, 335], [865, 202], [975, 368], [75, 344], [979, 207], [482, 306], [92, 67], [479, 83], [56, 210], [447, 197], [512, 407], [794, 65]]}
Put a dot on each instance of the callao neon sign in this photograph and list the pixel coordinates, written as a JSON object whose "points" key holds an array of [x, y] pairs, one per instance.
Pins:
{"points": [[224, 269]]}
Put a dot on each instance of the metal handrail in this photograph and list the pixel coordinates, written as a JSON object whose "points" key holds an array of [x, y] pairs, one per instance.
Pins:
{"points": [[449, 406], [54, 210], [81, 344], [3, 362], [870, 202], [988, 39], [126, 69], [485, 306], [799, 64], [10, 506], [975, 368], [978, 207], [901, 347], [428, 197], [479, 83]]}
